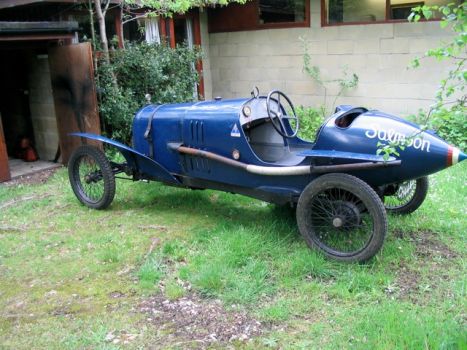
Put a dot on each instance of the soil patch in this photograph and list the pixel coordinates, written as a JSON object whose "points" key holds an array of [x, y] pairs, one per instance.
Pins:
{"points": [[39, 177], [430, 252], [407, 282], [198, 323], [428, 246]]}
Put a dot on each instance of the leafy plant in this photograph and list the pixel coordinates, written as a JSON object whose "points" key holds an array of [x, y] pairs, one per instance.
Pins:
{"points": [[166, 74], [447, 114], [161, 7], [310, 120], [346, 82], [450, 124], [389, 149]]}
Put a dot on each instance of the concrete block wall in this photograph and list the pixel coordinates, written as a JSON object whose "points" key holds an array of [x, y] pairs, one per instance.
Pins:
{"points": [[378, 53], [41, 104]]}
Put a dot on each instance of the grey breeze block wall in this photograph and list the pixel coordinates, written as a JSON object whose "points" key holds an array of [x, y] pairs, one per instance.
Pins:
{"points": [[378, 53], [41, 104]]}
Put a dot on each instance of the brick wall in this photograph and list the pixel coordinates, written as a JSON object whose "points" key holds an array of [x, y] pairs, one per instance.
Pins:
{"points": [[378, 53], [42, 108]]}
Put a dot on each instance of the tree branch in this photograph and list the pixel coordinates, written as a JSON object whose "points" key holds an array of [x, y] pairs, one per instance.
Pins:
{"points": [[106, 7], [135, 18]]}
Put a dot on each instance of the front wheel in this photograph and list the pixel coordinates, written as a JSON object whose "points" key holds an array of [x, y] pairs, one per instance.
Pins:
{"points": [[407, 197], [91, 177], [343, 217]]}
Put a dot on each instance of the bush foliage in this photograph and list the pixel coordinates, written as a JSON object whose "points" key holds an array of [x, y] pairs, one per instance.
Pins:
{"points": [[310, 121], [448, 114], [449, 124], [167, 74]]}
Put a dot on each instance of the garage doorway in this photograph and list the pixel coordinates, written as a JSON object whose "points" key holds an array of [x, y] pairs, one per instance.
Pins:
{"points": [[47, 92], [27, 111]]}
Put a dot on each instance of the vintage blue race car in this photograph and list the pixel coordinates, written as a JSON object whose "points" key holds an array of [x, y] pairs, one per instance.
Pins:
{"points": [[340, 186]]}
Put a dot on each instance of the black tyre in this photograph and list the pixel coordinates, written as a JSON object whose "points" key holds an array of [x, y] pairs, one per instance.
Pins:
{"points": [[91, 177], [407, 197], [343, 217]]}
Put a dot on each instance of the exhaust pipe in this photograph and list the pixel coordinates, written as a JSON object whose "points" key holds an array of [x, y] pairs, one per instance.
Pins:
{"points": [[281, 171]]}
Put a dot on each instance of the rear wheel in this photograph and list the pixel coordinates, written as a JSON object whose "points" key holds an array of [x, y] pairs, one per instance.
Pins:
{"points": [[91, 177], [407, 197], [343, 217]]}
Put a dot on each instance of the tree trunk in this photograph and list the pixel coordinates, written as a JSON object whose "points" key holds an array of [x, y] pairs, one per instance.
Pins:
{"points": [[102, 30]]}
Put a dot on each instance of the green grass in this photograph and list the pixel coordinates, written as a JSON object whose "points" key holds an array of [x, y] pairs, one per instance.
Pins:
{"points": [[69, 275]]}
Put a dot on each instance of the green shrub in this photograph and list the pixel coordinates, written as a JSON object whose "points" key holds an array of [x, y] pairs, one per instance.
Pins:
{"points": [[451, 125], [167, 74], [448, 115], [310, 121]]}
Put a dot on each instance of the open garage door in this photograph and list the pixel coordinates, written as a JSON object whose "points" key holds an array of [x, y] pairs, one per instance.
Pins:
{"points": [[72, 76]]}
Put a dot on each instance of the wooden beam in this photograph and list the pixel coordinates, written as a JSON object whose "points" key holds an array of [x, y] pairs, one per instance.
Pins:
{"points": [[35, 37], [11, 26], [14, 3], [197, 42], [4, 167], [172, 32], [119, 27]]}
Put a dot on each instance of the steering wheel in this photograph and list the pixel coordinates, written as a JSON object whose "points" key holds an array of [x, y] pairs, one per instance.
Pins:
{"points": [[277, 117]]}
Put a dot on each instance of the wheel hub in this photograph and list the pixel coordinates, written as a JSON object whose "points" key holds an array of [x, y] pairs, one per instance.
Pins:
{"points": [[337, 222], [92, 177], [87, 179], [346, 215]]}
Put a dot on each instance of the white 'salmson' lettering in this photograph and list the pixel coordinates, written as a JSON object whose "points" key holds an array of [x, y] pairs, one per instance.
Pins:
{"points": [[391, 135], [371, 134]]}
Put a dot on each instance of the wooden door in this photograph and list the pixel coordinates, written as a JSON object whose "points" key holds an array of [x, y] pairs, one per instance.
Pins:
{"points": [[72, 75], [4, 167]]}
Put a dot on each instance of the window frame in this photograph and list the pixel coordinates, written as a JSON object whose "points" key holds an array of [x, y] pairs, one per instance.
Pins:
{"points": [[324, 21], [406, 5], [212, 27], [305, 23]]}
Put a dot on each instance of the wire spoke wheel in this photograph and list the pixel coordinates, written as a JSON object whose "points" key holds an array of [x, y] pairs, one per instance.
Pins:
{"points": [[407, 197], [343, 217], [91, 177]]}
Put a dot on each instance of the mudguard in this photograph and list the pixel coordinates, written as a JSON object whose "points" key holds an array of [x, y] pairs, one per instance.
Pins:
{"points": [[137, 161]]}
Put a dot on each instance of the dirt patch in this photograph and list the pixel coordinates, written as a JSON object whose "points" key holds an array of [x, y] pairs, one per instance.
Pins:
{"points": [[198, 323], [431, 253], [407, 283], [39, 177], [428, 246]]}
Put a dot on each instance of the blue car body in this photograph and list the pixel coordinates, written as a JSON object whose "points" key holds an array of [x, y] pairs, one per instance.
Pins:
{"points": [[339, 184], [350, 136]]}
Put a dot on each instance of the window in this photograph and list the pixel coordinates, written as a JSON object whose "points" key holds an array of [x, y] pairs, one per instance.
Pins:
{"points": [[281, 11], [402, 11], [336, 12], [259, 14], [151, 30]]}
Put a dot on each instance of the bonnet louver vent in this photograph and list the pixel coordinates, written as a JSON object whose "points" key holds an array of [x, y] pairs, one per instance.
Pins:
{"points": [[197, 132], [194, 163]]}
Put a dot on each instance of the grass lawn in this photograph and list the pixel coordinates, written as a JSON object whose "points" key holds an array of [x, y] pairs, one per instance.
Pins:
{"points": [[176, 269]]}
